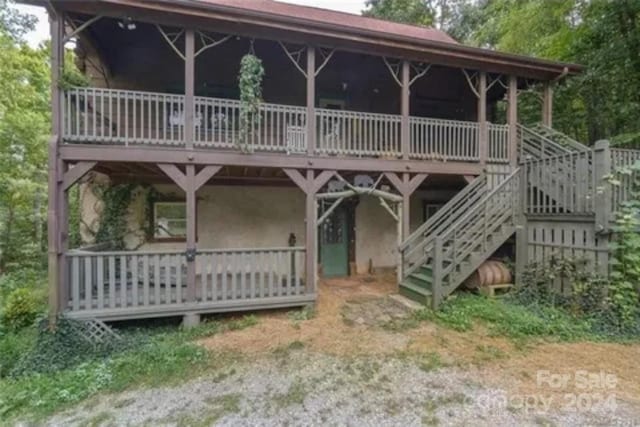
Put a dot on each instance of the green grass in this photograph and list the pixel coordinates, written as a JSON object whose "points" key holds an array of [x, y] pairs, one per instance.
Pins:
{"points": [[511, 320], [164, 356]]}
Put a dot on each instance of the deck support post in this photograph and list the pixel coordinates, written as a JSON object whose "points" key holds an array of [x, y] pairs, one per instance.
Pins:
{"points": [[601, 169], [522, 250], [483, 138], [547, 104], [406, 186], [311, 100], [405, 107], [56, 208], [190, 193], [512, 120], [310, 184], [189, 88], [190, 320]]}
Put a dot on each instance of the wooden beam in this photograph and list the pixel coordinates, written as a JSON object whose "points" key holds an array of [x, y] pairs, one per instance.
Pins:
{"points": [[175, 174], [468, 178], [298, 179], [190, 196], [547, 105], [311, 234], [415, 182], [321, 180], [76, 173], [404, 107], [395, 181], [311, 100], [189, 88], [512, 120], [205, 175], [483, 138], [104, 153], [405, 209]]}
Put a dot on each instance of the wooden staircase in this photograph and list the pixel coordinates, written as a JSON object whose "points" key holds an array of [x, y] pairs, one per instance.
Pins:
{"points": [[465, 232], [440, 255]]}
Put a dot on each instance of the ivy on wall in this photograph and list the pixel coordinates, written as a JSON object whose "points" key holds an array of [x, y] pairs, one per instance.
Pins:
{"points": [[250, 83]]}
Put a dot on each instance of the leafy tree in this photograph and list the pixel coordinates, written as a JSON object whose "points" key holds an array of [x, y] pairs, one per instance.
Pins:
{"points": [[417, 12], [24, 125]]}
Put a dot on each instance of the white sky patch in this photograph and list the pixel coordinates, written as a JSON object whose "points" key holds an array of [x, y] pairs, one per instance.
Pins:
{"points": [[41, 31]]}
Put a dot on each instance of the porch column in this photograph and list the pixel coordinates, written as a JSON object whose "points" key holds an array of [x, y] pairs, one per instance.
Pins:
{"points": [[311, 100], [189, 88], [190, 196], [311, 234], [405, 131], [483, 138], [512, 120], [56, 197], [406, 186], [547, 105]]}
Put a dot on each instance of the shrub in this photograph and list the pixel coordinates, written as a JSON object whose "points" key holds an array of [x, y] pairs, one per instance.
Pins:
{"points": [[21, 309]]}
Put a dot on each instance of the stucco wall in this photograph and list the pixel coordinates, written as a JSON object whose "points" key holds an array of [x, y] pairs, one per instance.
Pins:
{"points": [[254, 217]]}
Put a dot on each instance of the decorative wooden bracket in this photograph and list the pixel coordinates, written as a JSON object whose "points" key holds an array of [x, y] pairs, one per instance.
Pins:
{"points": [[406, 187], [493, 80], [309, 185], [473, 81], [295, 57], [326, 55], [78, 26], [76, 173], [172, 37], [180, 178], [420, 69], [207, 42]]}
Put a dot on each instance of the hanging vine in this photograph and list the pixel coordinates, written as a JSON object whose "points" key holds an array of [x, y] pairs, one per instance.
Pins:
{"points": [[116, 200], [250, 83]]}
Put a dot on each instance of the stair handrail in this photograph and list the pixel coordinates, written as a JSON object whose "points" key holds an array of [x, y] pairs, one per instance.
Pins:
{"points": [[440, 239], [544, 142], [422, 230], [573, 143], [482, 202]]}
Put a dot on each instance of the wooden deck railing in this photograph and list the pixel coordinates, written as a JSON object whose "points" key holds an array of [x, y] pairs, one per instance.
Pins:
{"points": [[437, 139], [111, 116], [131, 280], [562, 184], [358, 134], [250, 273], [622, 159]]}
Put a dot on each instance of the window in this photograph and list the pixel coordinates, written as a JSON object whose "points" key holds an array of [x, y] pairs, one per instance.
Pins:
{"points": [[169, 220], [429, 210]]}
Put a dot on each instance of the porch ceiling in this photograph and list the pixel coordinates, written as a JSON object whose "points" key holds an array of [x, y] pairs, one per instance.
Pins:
{"points": [[239, 19]]}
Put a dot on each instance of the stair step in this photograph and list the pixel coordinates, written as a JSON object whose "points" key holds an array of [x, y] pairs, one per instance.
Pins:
{"points": [[415, 293], [422, 277]]}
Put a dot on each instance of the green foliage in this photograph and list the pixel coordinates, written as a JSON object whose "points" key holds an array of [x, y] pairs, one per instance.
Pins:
{"points": [[116, 201], [250, 82], [512, 320], [58, 369], [409, 11], [72, 77], [625, 273], [21, 309]]}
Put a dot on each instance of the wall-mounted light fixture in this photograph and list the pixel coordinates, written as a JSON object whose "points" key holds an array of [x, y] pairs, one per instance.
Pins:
{"points": [[127, 23]]}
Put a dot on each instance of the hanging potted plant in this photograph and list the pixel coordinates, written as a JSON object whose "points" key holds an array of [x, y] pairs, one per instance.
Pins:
{"points": [[250, 82]]}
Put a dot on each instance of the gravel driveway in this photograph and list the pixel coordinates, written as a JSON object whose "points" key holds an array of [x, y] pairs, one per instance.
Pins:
{"points": [[296, 387]]}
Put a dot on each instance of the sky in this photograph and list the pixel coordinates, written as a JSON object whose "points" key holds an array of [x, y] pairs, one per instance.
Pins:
{"points": [[42, 28]]}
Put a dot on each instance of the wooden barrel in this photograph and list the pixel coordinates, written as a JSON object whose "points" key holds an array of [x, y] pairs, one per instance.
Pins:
{"points": [[489, 273]]}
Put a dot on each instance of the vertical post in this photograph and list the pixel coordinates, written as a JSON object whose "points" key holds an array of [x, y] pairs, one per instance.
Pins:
{"points": [[512, 120], [311, 100], [406, 200], [404, 132], [483, 140], [189, 88], [547, 105], [53, 214], [190, 195], [436, 290], [401, 238], [520, 199], [602, 168], [311, 213]]}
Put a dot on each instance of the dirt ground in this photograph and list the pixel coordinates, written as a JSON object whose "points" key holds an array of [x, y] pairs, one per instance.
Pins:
{"points": [[353, 364], [497, 361]]}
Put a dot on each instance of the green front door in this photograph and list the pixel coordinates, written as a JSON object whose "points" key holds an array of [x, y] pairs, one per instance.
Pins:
{"points": [[334, 249]]}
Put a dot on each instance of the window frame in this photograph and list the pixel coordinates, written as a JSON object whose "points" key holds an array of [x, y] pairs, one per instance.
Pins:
{"points": [[153, 237]]}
